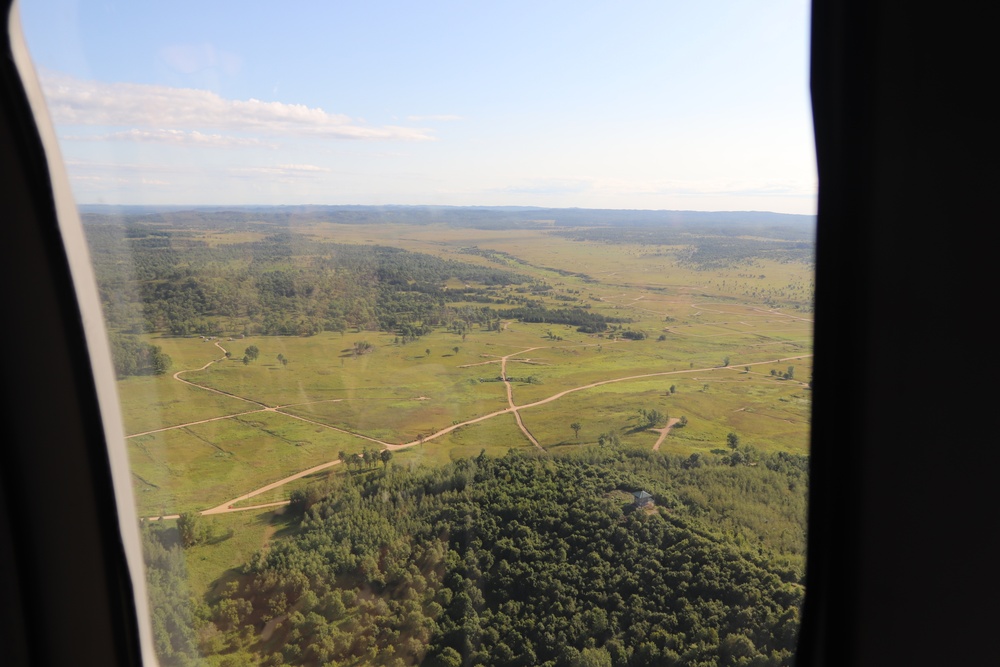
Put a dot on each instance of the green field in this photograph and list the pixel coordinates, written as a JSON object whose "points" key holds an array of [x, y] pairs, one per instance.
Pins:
{"points": [[215, 428]]}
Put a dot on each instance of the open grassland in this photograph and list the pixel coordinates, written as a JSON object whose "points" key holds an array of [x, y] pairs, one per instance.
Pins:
{"points": [[494, 436], [239, 426], [771, 414], [154, 402], [202, 465], [608, 268], [234, 538], [325, 368]]}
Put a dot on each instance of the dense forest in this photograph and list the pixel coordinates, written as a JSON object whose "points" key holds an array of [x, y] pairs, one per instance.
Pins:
{"points": [[289, 284], [528, 560], [285, 284]]}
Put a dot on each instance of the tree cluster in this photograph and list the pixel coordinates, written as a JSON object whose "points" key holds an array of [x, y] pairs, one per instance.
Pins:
{"points": [[132, 356], [532, 560], [284, 284]]}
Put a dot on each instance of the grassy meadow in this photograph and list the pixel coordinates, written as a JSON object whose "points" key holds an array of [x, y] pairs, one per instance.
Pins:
{"points": [[231, 427]]}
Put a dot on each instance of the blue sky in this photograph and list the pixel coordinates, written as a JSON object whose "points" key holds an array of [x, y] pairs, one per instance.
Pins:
{"points": [[649, 105]]}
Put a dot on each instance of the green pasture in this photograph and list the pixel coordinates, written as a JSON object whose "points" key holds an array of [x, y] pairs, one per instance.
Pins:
{"points": [[187, 351], [568, 368], [153, 402], [399, 421], [496, 435], [324, 367], [769, 414], [616, 267], [284, 492], [234, 539], [396, 392], [200, 466]]}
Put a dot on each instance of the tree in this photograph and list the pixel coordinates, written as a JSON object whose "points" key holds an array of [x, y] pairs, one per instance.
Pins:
{"points": [[281, 357], [252, 352], [132, 356], [386, 456], [654, 418], [300, 500], [159, 361], [427, 352], [791, 373], [246, 360], [594, 657], [725, 361], [693, 461], [576, 429], [455, 349], [733, 440], [610, 439], [190, 528], [449, 657], [673, 389]]}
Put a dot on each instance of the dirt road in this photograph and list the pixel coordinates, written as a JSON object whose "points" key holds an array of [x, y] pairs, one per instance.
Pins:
{"points": [[228, 506], [663, 432]]}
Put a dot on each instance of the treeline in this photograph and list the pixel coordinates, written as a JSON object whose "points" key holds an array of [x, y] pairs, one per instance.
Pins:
{"points": [[170, 608], [288, 284], [531, 560], [132, 356], [285, 284], [584, 320], [712, 247]]}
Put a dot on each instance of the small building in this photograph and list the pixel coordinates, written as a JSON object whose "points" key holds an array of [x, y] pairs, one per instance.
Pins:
{"points": [[643, 499]]}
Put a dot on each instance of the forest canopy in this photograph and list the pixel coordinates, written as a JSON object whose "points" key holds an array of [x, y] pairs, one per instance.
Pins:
{"points": [[530, 559]]}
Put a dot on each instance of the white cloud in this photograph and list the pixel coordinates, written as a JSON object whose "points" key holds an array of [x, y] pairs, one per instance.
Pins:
{"points": [[76, 102], [91, 166], [433, 117], [105, 182], [175, 137]]}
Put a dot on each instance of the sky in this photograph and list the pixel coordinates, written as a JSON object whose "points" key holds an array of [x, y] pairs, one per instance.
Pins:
{"points": [[628, 104]]}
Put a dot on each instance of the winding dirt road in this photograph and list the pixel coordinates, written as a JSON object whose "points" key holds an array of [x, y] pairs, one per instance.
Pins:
{"points": [[229, 505]]}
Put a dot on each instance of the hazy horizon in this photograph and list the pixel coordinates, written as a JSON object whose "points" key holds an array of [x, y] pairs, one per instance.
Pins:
{"points": [[644, 106]]}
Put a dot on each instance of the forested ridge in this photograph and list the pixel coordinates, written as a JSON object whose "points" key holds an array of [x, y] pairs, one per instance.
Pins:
{"points": [[531, 560]]}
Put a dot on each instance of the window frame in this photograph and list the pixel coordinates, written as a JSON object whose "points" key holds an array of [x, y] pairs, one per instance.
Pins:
{"points": [[893, 129]]}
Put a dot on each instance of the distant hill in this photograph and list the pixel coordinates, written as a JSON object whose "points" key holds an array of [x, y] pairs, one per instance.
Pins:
{"points": [[480, 217]]}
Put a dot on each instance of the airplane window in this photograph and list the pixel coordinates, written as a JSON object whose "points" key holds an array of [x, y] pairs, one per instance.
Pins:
{"points": [[450, 334]]}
